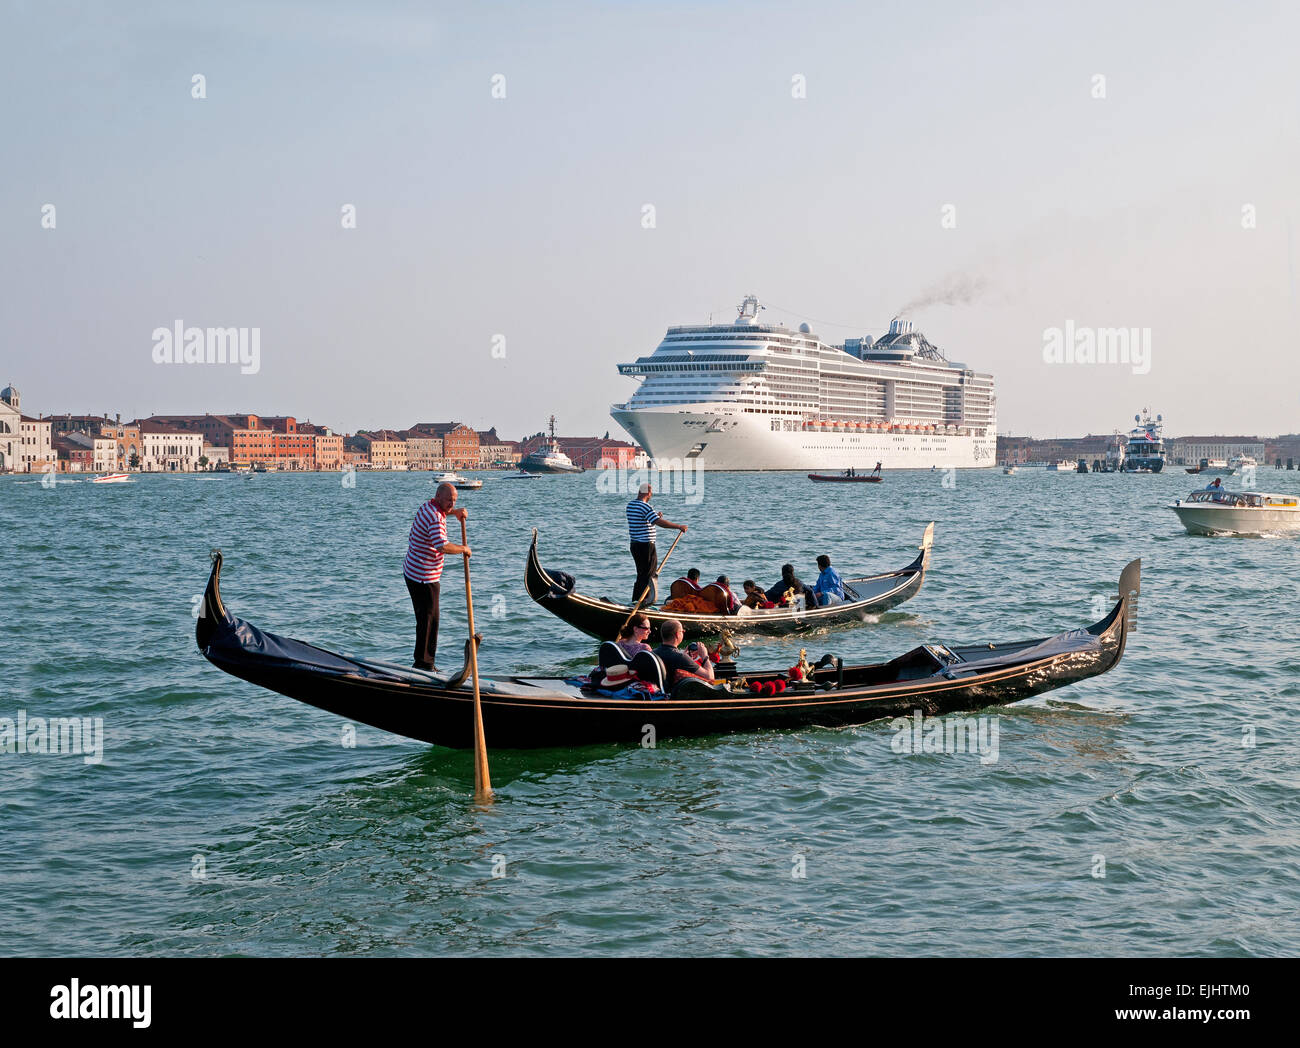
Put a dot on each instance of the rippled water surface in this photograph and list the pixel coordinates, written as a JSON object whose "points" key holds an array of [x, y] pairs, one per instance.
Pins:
{"points": [[225, 819]]}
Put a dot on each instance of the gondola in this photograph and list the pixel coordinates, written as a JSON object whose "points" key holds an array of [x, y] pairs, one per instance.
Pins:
{"points": [[832, 478], [535, 712], [868, 595]]}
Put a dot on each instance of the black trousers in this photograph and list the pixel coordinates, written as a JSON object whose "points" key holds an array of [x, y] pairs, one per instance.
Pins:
{"points": [[647, 561], [424, 599]]}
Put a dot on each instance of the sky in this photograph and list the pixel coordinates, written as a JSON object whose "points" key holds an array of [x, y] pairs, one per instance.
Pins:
{"points": [[1005, 169]]}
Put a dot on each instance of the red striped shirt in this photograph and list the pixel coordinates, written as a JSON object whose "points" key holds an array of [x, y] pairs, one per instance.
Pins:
{"points": [[424, 548]]}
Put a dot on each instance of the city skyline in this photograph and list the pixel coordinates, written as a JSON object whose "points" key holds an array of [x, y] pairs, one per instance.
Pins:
{"points": [[499, 258]]}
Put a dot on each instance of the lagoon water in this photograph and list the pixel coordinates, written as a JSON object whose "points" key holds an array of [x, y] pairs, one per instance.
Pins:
{"points": [[1153, 810]]}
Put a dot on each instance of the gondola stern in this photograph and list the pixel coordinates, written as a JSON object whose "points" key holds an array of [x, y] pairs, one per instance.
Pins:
{"points": [[1123, 616], [212, 612], [536, 580]]}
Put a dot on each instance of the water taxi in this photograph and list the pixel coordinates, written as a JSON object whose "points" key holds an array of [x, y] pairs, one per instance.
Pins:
{"points": [[1224, 512]]}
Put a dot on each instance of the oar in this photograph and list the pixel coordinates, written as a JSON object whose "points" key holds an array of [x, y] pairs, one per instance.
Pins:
{"points": [[482, 780], [646, 592]]}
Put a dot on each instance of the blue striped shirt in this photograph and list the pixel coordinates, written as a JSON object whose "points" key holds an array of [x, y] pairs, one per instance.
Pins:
{"points": [[641, 517]]}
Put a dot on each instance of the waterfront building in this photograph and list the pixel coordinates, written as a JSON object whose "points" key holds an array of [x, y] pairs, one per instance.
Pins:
{"points": [[1188, 451], [387, 449], [10, 437], [459, 442], [494, 452], [169, 449], [291, 447], [356, 453], [130, 448], [423, 451], [98, 453], [35, 450], [328, 451]]}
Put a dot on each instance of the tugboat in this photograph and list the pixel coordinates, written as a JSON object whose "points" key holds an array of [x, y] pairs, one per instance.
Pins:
{"points": [[1145, 450], [549, 459]]}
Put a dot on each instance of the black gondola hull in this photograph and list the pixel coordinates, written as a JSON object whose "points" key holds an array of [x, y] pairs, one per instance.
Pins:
{"points": [[602, 619], [527, 713]]}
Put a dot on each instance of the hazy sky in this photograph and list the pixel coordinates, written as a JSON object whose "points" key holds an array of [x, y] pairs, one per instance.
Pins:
{"points": [[522, 216]]}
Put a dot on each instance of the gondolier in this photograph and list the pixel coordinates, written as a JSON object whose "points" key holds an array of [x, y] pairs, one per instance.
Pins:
{"points": [[423, 568], [642, 519]]}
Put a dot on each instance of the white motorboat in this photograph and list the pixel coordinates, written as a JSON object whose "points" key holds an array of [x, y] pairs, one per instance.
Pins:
{"points": [[1064, 466], [1241, 463], [462, 483], [1223, 512], [1009, 471], [113, 478]]}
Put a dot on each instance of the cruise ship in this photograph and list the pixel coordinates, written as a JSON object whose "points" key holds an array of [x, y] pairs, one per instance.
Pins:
{"points": [[755, 396]]}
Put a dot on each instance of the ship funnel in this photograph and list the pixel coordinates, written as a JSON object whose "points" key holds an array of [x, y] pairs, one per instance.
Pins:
{"points": [[899, 326]]}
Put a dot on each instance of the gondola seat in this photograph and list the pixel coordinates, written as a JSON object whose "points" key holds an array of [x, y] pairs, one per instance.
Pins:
{"points": [[648, 667]]}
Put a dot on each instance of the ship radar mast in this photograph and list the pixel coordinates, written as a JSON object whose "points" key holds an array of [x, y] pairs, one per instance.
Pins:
{"points": [[749, 309]]}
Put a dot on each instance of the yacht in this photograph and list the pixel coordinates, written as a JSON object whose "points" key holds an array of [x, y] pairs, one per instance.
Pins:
{"points": [[1144, 451], [754, 395], [1241, 463]]}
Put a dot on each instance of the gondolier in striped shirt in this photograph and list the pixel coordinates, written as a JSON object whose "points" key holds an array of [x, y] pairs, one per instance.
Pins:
{"points": [[642, 519], [425, 550]]}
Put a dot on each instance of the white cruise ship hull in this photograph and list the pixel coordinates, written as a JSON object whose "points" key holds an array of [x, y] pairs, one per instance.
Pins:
{"points": [[748, 442]]}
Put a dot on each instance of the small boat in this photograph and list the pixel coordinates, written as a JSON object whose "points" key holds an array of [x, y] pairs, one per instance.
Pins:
{"points": [[1212, 467], [869, 595], [549, 458], [1239, 464], [1064, 466], [841, 478], [521, 475], [461, 483], [534, 712], [113, 478], [1223, 512], [1009, 471]]}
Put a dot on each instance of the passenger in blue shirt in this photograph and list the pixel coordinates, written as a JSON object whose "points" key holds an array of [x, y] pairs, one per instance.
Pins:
{"points": [[830, 587]]}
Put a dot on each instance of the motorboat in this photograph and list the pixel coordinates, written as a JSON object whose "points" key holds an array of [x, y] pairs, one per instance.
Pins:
{"points": [[1218, 511]]}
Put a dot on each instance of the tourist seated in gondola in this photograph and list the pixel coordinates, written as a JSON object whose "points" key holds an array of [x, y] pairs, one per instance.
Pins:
{"points": [[830, 587], [633, 636], [719, 591], [616, 656], [688, 597], [789, 581], [755, 597], [678, 664], [688, 583]]}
